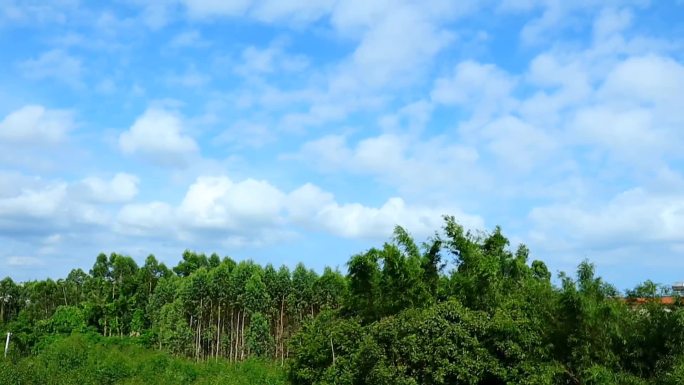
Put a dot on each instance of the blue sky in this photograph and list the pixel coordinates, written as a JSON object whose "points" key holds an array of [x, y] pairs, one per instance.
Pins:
{"points": [[292, 130]]}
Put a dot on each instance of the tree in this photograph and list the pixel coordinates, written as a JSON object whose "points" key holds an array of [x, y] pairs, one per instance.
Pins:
{"points": [[259, 339], [190, 263], [364, 285]]}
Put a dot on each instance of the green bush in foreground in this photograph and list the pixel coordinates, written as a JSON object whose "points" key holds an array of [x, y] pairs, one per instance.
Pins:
{"points": [[85, 359]]}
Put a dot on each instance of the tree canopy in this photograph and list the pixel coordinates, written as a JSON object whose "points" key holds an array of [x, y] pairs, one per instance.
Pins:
{"points": [[463, 307]]}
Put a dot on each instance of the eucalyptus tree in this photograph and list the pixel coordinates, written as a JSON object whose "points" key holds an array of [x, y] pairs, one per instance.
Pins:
{"points": [[10, 300]]}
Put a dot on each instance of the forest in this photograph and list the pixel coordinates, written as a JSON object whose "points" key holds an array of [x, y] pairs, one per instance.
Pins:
{"points": [[462, 307]]}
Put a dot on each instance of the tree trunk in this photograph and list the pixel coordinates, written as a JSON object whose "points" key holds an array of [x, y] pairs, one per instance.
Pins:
{"points": [[242, 349], [232, 332], [199, 329], [237, 335], [218, 332], [281, 331]]}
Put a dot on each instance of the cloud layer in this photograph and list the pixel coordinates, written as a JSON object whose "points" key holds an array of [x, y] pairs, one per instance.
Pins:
{"points": [[291, 130]]}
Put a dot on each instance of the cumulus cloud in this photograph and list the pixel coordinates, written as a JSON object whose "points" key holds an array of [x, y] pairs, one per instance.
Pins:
{"points": [[146, 219], [480, 89], [35, 124], [409, 163], [379, 60], [633, 217], [315, 208], [33, 207], [517, 144], [158, 135], [255, 211], [359, 221], [218, 202], [121, 188], [472, 83], [46, 210]]}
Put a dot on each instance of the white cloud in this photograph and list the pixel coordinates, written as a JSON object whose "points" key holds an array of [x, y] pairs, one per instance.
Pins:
{"points": [[272, 59], [255, 212], [55, 64], [281, 11], [246, 134], [358, 221], [312, 207], [38, 203], [412, 118], [146, 219], [20, 261], [47, 209], [369, 77], [411, 164], [291, 11], [379, 60], [158, 136], [633, 217], [304, 203], [190, 78], [209, 8], [517, 144], [189, 39], [34, 124], [646, 80], [482, 88], [121, 188], [635, 113], [218, 202], [611, 21], [36, 11]]}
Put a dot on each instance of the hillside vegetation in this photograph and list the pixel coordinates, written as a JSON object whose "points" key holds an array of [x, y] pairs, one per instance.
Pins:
{"points": [[461, 308]]}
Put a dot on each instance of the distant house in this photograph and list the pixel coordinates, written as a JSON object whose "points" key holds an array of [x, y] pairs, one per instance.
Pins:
{"points": [[667, 300]]}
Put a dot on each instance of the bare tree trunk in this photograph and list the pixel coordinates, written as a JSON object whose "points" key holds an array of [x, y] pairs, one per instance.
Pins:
{"points": [[242, 349], [232, 332], [209, 324], [199, 329], [237, 335], [218, 331], [281, 331]]}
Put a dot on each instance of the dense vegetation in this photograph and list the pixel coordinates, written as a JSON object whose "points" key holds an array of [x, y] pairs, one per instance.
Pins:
{"points": [[87, 359], [461, 308]]}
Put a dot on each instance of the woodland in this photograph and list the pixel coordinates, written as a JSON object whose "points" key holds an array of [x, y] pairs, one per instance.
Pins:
{"points": [[462, 307]]}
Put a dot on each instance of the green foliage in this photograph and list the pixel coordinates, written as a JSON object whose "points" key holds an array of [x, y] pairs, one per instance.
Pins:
{"points": [[92, 360], [462, 308], [65, 320], [492, 319], [259, 340]]}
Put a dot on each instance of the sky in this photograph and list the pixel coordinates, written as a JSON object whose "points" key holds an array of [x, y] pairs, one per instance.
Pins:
{"points": [[305, 130]]}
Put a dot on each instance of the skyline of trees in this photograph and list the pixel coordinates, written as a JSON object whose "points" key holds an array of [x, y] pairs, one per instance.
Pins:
{"points": [[460, 308]]}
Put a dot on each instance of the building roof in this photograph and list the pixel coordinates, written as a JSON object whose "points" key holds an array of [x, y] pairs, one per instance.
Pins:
{"points": [[667, 300]]}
